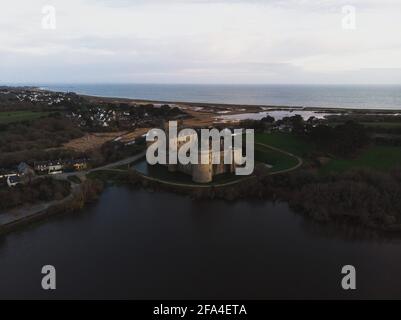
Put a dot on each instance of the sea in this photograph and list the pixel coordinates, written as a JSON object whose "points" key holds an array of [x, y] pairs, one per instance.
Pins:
{"points": [[314, 96]]}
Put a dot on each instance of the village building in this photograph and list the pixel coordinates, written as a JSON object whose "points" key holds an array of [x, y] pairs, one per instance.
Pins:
{"points": [[49, 167], [58, 166], [25, 170], [14, 180], [76, 164]]}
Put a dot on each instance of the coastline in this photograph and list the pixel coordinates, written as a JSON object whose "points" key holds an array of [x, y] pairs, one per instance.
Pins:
{"points": [[189, 102], [247, 106]]}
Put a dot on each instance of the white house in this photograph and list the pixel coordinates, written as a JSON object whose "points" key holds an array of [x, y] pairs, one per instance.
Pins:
{"points": [[12, 181]]}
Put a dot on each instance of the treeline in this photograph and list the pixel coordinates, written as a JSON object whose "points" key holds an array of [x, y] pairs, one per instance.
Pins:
{"points": [[42, 133], [32, 139], [342, 140], [370, 198], [40, 190], [366, 197], [113, 151]]}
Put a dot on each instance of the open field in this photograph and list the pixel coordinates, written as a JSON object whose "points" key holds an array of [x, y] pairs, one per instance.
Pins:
{"points": [[17, 116], [374, 157], [132, 135], [287, 142], [95, 140], [373, 124], [92, 141], [278, 160], [387, 125]]}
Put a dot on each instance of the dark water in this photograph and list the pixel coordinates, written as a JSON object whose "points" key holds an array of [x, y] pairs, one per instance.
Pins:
{"points": [[340, 96], [137, 244]]}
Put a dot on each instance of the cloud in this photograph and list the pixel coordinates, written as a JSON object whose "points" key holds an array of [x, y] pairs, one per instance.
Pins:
{"points": [[200, 41]]}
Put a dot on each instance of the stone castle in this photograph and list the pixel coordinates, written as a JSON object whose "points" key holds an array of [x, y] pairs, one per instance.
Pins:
{"points": [[203, 173]]}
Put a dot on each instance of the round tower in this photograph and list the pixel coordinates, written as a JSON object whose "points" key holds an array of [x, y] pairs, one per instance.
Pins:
{"points": [[202, 173]]}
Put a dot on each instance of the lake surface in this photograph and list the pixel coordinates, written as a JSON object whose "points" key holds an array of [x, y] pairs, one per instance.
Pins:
{"points": [[333, 96], [139, 244]]}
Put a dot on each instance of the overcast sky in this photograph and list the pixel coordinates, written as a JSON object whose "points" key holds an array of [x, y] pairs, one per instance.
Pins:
{"points": [[200, 41]]}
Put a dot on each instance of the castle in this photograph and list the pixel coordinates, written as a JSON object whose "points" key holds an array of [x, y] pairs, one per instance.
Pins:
{"points": [[203, 173]]}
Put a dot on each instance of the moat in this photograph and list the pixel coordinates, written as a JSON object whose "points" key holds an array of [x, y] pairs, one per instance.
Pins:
{"points": [[139, 244]]}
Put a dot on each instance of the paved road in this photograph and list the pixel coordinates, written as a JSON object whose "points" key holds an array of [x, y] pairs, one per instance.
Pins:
{"points": [[105, 167]]}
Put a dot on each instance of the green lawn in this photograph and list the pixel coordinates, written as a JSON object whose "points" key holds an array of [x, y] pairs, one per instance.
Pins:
{"points": [[387, 125], [375, 157], [278, 160], [286, 142], [17, 116], [372, 124]]}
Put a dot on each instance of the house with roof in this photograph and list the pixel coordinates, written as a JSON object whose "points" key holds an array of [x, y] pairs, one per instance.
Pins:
{"points": [[25, 170], [49, 167], [14, 180]]}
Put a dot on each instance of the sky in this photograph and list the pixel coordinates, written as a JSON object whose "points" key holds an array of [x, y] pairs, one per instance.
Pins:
{"points": [[201, 41]]}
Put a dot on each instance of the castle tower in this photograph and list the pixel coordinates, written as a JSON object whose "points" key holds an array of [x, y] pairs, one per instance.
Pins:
{"points": [[203, 173]]}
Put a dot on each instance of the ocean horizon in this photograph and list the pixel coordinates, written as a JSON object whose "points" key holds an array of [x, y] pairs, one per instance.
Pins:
{"points": [[314, 96]]}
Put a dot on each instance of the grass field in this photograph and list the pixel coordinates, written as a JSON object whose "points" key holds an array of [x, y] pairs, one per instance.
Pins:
{"points": [[17, 116], [279, 161], [286, 142], [375, 157], [373, 124], [387, 125]]}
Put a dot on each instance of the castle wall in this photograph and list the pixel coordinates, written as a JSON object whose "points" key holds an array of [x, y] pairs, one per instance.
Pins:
{"points": [[202, 173], [172, 167]]}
